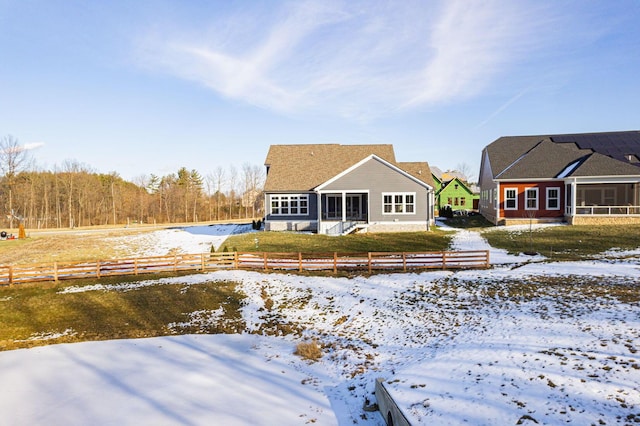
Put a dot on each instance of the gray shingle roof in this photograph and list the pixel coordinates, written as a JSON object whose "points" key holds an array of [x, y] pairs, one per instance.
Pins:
{"points": [[547, 156]]}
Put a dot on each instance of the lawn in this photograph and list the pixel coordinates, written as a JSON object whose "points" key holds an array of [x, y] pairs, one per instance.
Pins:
{"points": [[579, 242], [287, 242], [128, 310]]}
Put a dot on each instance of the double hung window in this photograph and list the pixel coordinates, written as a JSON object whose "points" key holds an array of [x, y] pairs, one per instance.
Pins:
{"points": [[398, 203], [290, 205]]}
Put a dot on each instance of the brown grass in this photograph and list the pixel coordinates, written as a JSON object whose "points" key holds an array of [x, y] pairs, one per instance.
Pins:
{"points": [[64, 246], [309, 350]]}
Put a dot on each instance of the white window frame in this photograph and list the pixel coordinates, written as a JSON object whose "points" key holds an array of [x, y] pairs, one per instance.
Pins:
{"points": [[556, 198], [514, 198], [289, 205], [527, 198], [399, 203]]}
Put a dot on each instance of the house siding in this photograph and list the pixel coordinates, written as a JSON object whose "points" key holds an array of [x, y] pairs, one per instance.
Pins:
{"points": [[292, 222], [378, 178], [461, 198], [541, 212], [487, 204]]}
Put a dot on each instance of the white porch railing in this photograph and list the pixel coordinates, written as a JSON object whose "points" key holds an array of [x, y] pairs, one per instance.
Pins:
{"points": [[605, 210], [340, 227]]}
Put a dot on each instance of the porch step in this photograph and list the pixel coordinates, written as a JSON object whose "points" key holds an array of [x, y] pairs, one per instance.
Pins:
{"points": [[355, 228]]}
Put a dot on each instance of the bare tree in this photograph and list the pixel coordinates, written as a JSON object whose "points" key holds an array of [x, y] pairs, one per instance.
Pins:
{"points": [[13, 159], [219, 177], [467, 171]]}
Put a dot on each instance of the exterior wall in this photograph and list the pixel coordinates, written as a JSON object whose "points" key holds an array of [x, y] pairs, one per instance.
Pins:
{"points": [[378, 178], [398, 227], [292, 222], [450, 192], [487, 204], [289, 225], [521, 212], [604, 220]]}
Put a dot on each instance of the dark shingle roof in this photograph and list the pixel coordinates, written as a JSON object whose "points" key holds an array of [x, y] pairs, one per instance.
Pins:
{"points": [[549, 156]]}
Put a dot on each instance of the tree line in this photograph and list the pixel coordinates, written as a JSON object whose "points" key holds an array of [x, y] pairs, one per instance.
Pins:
{"points": [[73, 195]]}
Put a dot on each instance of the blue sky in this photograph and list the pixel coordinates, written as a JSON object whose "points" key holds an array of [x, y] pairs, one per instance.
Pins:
{"points": [[141, 87]]}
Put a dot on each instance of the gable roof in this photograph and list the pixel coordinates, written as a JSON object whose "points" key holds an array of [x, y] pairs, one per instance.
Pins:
{"points": [[304, 167], [452, 183], [395, 167], [549, 156], [420, 170]]}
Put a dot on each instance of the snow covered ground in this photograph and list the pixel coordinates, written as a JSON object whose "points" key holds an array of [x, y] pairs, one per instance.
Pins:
{"points": [[509, 345]]}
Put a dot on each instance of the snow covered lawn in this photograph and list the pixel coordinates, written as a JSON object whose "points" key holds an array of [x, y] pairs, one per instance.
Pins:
{"points": [[512, 345]]}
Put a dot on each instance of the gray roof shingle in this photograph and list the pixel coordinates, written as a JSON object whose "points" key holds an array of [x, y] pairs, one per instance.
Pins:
{"points": [[547, 156]]}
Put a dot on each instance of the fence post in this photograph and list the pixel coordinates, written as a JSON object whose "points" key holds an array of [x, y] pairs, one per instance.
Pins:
{"points": [[55, 271], [236, 260], [10, 276], [98, 269], [299, 261], [335, 262], [369, 262], [202, 261], [404, 261], [487, 264], [135, 266], [264, 257], [175, 263], [444, 260]]}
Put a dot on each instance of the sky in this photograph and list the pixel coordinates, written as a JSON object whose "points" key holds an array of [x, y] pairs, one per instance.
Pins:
{"points": [[454, 347], [150, 86]]}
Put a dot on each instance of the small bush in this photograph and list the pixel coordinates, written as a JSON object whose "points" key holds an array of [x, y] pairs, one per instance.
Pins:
{"points": [[309, 350], [446, 211]]}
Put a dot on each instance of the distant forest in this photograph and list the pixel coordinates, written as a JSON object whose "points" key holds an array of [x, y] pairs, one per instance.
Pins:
{"points": [[72, 195]]}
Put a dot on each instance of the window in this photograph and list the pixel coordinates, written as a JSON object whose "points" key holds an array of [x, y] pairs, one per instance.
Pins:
{"points": [[531, 198], [463, 202], [398, 203], [510, 199], [553, 198], [289, 205]]}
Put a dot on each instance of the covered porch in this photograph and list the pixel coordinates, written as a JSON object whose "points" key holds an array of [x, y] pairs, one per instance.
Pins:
{"points": [[342, 212], [615, 201]]}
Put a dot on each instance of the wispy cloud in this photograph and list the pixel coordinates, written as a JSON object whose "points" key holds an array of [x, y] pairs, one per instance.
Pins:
{"points": [[502, 107], [354, 59]]}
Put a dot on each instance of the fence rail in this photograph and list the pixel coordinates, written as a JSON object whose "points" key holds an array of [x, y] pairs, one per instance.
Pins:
{"points": [[404, 261]]}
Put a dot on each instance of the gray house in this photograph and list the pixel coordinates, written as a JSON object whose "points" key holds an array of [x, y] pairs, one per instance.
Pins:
{"points": [[338, 189]]}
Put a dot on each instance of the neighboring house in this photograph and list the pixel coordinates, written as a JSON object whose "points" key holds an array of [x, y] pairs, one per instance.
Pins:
{"points": [[577, 178], [337, 189], [453, 191]]}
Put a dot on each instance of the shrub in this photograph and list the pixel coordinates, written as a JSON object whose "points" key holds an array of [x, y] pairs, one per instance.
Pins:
{"points": [[446, 211], [309, 350]]}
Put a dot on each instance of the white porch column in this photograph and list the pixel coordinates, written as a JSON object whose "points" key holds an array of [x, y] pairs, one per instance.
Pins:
{"points": [[496, 202], [319, 207], [574, 197], [344, 206]]}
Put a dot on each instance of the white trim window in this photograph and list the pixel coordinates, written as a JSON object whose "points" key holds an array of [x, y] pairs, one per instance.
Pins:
{"points": [[290, 205], [553, 198], [398, 203], [531, 198], [510, 199]]}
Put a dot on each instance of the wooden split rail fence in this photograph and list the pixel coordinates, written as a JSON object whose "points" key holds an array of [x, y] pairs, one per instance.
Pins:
{"points": [[56, 271]]}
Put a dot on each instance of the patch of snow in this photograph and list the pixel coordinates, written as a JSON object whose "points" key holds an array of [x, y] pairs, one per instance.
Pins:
{"points": [[189, 240], [455, 348]]}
